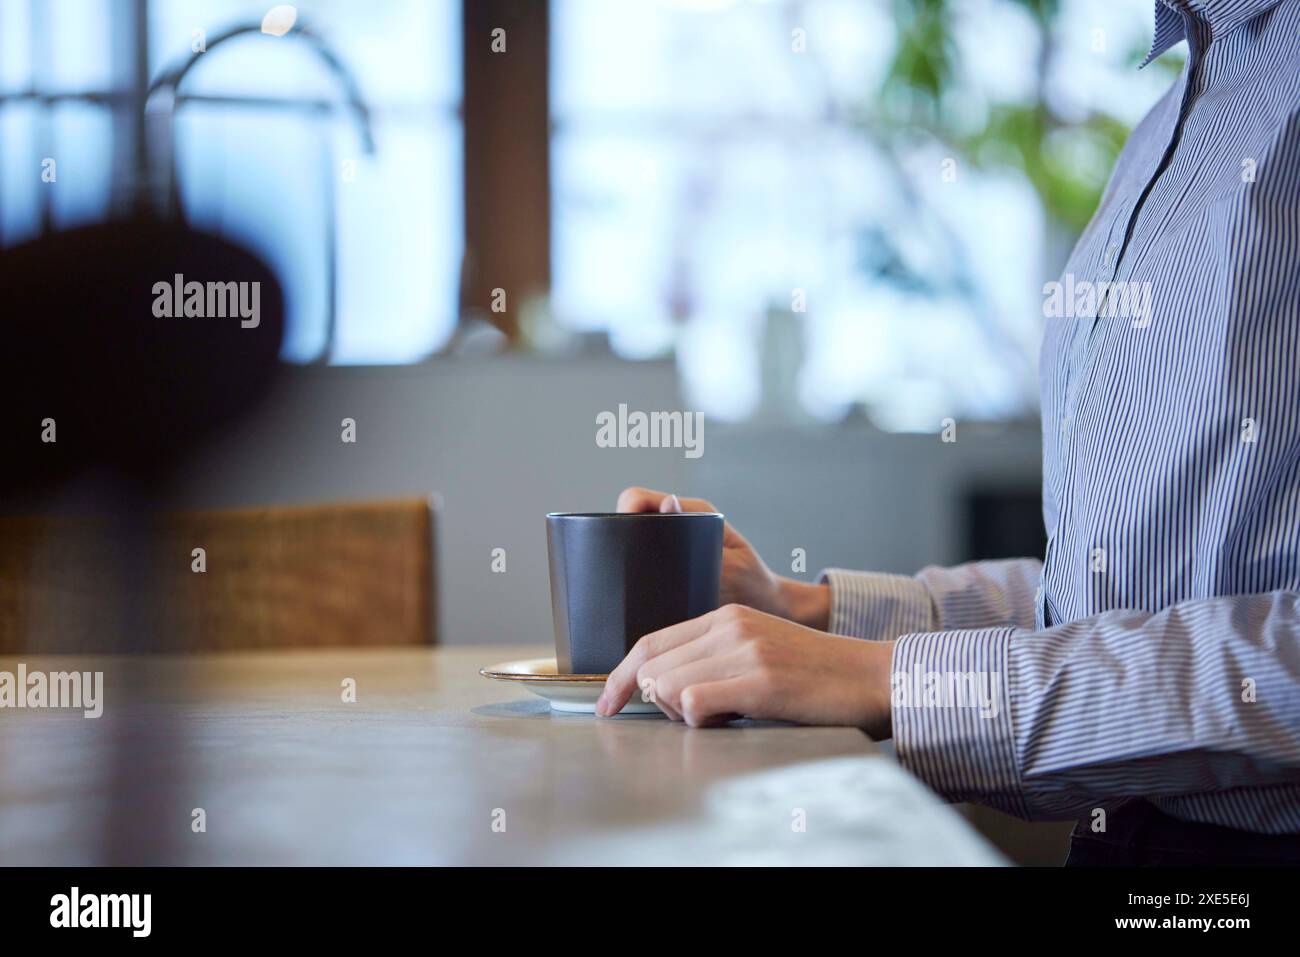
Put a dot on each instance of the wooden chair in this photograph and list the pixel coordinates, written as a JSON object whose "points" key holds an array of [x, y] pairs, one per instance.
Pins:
{"points": [[355, 574]]}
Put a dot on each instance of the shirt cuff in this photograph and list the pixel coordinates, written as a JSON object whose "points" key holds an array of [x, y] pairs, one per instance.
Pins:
{"points": [[950, 703], [877, 606]]}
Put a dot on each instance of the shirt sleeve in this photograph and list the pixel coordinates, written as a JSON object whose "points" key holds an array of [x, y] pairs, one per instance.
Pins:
{"points": [[1203, 696], [881, 606]]}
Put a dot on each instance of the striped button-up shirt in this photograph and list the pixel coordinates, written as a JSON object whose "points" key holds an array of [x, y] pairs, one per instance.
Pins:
{"points": [[1154, 651]]}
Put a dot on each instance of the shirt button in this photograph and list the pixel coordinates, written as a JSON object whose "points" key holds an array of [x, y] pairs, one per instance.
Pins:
{"points": [[1111, 252], [1065, 426]]}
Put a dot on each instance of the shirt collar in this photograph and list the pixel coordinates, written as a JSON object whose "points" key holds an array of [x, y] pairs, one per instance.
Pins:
{"points": [[1221, 16]]}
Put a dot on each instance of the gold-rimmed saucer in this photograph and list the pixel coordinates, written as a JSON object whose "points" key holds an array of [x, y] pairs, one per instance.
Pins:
{"points": [[570, 693]]}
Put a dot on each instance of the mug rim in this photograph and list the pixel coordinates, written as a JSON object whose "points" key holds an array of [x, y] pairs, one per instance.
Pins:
{"points": [[634, 514]]}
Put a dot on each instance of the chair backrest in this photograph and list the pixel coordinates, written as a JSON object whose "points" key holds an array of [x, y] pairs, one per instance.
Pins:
{"points": [[337, 575]]}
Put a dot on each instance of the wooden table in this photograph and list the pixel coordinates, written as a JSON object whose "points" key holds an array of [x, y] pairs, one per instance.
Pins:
{"points": [[432, 764]]}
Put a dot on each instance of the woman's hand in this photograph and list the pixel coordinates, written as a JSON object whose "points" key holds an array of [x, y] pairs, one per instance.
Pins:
{"points": [[738, 662], [746, 580]]}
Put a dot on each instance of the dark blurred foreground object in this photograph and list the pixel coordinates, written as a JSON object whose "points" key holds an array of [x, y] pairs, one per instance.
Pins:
{"points": [[124, 389], [343, 575], [102, 398]]}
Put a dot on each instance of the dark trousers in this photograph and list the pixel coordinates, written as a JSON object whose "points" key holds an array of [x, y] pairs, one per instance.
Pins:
{"points": [[1137, 835]]}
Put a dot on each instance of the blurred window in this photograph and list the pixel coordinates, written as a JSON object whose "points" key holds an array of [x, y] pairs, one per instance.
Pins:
{"points": [[268, 175], [825, 197], [811, 204], [56, 160], [263, 172]]}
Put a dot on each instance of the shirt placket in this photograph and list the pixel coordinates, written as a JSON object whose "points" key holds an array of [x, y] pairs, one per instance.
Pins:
{"points": [[1085, 347]]}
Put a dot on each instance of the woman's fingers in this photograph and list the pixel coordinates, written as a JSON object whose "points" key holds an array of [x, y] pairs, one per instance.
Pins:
{"points": [[664, 665], [621, 682], [709, 644], [717, 702], [667, 689], [637, 499]]}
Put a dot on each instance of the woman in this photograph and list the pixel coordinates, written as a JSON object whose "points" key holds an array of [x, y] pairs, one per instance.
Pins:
{"points": [[1144, 676]]}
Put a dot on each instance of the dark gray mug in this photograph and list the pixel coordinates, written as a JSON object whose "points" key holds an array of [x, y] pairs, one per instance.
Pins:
{"points": [[618, 576]]}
